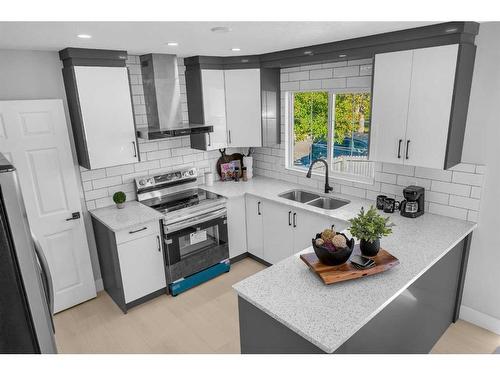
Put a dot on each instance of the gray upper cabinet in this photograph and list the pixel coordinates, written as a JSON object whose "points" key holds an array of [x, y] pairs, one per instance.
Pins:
{"points": [[100, 105], [419, 105], [241, 101]]}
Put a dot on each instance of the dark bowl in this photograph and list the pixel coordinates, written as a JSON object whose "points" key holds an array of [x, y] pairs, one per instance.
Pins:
{"points": [[333, 258]]}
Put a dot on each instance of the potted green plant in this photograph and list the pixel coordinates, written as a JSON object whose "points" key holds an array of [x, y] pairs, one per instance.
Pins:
{"points": [[369, 227], [119, 198]]}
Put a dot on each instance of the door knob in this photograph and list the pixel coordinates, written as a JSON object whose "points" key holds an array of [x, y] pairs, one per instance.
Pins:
{"points": [[74, 216]]}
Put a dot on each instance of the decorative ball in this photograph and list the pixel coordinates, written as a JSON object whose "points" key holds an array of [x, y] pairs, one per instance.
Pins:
{"points": [[319, 242], [327, 235], [339, 241]]}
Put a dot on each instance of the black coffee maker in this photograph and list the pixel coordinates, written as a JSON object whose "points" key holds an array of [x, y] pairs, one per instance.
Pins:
{"points": [[413, 204]]}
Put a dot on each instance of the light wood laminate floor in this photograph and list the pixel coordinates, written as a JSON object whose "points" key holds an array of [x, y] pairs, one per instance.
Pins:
{"points": [[201, 320]]}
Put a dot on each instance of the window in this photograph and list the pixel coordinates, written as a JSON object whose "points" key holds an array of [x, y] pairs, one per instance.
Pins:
{"points": [[331, 125]]}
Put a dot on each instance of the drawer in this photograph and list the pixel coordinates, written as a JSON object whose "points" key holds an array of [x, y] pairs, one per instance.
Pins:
{"points": [[139, 231]]}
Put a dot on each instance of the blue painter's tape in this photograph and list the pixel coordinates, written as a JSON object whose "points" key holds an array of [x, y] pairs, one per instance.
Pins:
{"points": [[198, 278]]}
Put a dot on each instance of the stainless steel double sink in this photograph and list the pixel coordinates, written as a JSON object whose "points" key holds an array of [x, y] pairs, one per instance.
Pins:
{"points": [[313, 199]]}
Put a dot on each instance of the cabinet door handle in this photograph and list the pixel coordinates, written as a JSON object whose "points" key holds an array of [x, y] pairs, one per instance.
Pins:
{"points": [[209, 140], [289, 217], [295, 219], [399, 148], [258, 208], [138, 230], [135, 149], [407, 147], [230, 136], [159, 246]]}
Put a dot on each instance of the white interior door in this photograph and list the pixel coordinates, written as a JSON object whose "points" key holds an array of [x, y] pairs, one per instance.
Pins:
{"points": [[429, 109], [391, 92], [106, 105], [33, 134], [243, 107], [214, 107]]}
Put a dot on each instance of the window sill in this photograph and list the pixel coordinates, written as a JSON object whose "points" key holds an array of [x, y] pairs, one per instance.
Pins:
{"points": [[332, 175]]}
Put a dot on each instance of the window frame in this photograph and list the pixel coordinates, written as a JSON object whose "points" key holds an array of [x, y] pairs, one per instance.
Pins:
{"points": [[290, 136]]}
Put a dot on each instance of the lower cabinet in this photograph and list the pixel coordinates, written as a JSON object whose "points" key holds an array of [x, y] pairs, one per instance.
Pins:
{"points": [[255, 230], [236, 228], [276, 231], [142, 267], [132, 262]]}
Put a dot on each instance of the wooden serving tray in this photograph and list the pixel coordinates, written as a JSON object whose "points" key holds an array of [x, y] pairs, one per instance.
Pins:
{"points": [[334, 274]]}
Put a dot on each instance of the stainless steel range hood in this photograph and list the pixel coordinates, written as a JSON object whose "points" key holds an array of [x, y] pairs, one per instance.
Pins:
{"points": [[162, 96]]}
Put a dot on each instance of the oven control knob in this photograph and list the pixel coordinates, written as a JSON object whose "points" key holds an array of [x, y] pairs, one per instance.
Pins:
{"points": [[142, 182]]}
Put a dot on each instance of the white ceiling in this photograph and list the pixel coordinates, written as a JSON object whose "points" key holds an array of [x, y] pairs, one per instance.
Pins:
{"points": [[194, 38]]}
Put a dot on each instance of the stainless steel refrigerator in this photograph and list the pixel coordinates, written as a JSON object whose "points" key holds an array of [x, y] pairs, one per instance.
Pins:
{"points": [[26, 292]]}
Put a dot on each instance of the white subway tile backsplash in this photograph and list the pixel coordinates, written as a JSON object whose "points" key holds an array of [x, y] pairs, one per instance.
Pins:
{"points": [[463, 167], [434, 196], [321, 73], [348, 71], [310, 85], [473, 216], [365, 70], [480, 169], [108, 181], [450, 188], [455, 212], [360, 62], [464, 202], [350, 190], [388, 178], [475, 192], [406, 170], [410, 180], [290, 86], [361, 82], [467, 178], [145, 165], [95, 194], [298, 76], [334, 83], [119, 170], [433, 174], [334, 64]]}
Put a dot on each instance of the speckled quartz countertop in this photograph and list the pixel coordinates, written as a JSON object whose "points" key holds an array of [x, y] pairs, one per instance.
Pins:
{"points": [[328, 315], [133, 214]]}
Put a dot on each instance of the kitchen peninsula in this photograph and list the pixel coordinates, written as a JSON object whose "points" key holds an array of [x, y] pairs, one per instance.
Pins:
{"points": [[287, 309]]}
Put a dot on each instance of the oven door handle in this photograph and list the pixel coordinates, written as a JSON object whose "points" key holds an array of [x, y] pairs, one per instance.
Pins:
{"points": [[196, 220]]}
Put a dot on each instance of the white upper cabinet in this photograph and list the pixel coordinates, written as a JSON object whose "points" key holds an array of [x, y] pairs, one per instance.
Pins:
{"points": [[391, 92], [243, 107], [412, 107], [106, 109], [214, 108], [100, 106], [429, 108]]}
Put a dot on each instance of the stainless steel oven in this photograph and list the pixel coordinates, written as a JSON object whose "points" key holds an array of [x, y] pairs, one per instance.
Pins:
{"points": [[196, 243], [194, 226]]}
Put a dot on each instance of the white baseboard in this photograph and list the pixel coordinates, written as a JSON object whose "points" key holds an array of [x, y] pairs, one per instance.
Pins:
{"points": [[480, 319], [99, 286]]}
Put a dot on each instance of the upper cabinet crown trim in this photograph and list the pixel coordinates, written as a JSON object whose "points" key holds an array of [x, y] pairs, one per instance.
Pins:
{"points": [[357, 48], [92, 57]]}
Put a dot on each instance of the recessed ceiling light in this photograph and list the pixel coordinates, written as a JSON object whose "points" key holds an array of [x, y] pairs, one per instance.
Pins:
{"points": [[244, 60], [451, 30], [235, 49], [220, 29], [84, 36], [172, 44], [308, 52], [342, 55]]}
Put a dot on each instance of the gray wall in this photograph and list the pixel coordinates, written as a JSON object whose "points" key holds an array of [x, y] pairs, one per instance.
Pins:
{"points": [[28, 75], [481, 293]]}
